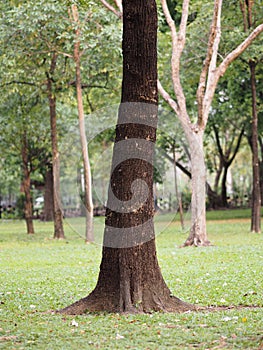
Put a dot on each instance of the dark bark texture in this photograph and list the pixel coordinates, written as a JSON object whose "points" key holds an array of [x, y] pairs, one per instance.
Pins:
{"points": [[256, 196], [130, 279], [48, 211], [58, 215], [247, 11]]}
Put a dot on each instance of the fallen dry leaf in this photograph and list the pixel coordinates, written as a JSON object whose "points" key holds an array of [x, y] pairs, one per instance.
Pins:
{"points": [[10, 337]]}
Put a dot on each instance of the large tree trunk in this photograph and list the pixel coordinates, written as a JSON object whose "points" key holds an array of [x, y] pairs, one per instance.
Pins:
{"points": [[28, 210], [256, 196], [130, 279], [58, 216], [88, 203], [198, 234]]}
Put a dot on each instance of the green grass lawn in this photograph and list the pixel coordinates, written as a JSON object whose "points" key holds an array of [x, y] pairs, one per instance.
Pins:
{"points": [[40, 274]]}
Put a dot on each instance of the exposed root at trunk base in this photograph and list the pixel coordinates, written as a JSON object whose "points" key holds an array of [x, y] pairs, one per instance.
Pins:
{"points": [[91, 303], [196, 242], [87, 305]]}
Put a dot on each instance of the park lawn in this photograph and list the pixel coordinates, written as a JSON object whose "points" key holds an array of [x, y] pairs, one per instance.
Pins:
{"points": [[40, 274]]}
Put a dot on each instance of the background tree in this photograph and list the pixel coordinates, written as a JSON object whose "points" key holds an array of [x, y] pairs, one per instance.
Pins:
{"points": [[32, 40], [58, 215], [245, 86], [194, 130], [88, 202], [256, 193], [28, 140], [224, 133], [51, 36], [249, 22]]}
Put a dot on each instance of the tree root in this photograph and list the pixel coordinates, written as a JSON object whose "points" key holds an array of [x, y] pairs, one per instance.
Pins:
{"points": [[176, 306], [192, 242], [102, 304]]}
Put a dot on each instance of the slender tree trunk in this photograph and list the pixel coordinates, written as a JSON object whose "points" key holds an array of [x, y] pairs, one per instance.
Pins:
{"points": [[260, 139], [261, 179], [218, 175], [225, 161], [88, 203], [198, 234], [130, 279], [256, 197], [246, 7], [48, 211], [26, 187], [58, 216], [223, 186], [178, 195]]}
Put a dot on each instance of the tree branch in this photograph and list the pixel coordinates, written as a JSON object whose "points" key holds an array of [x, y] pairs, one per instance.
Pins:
{"points": [[84, 86], [216, 73], [119, 5], [183, 117], [168, 98], [179, 165], [220, 150], [64, 54], [238, 51], [111, 8], [183, 24], [243, 8], [237, 146], [18, 82], [169, 19], [209, 64], [178, 42]]}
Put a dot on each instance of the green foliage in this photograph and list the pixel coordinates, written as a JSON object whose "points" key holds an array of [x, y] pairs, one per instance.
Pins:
{"points": [[30, 33], [9, 175], [40, 274], [18, 118], [233, 29]]}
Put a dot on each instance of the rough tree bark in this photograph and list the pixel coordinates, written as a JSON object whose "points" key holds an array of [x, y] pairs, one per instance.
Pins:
{"points": [[58, 216], [130, 279], [256, 195], [88, 203]]}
